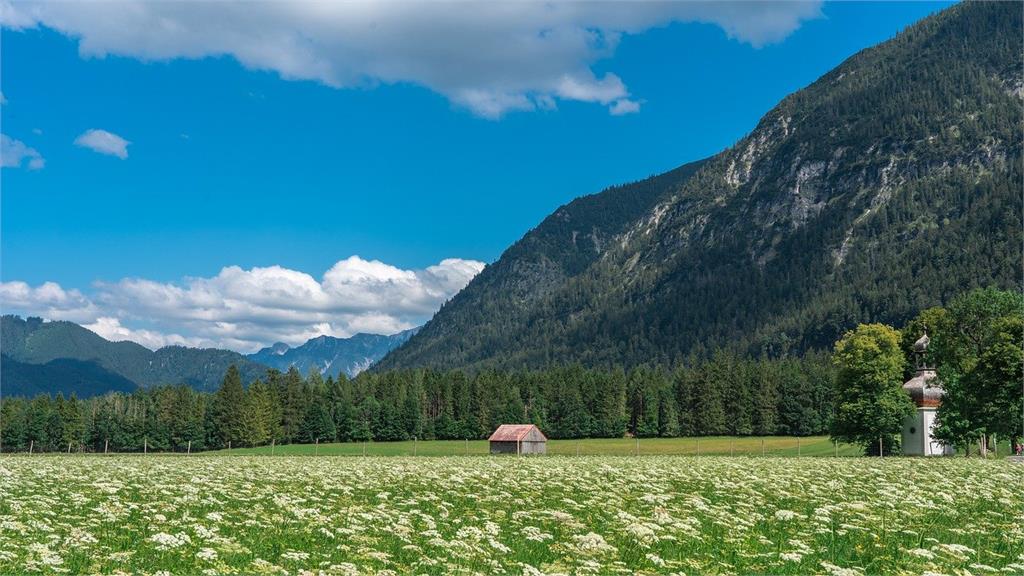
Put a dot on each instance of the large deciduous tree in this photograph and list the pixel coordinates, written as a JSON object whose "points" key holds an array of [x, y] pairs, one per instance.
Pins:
{"points": [[978, 348], [871, 403]]}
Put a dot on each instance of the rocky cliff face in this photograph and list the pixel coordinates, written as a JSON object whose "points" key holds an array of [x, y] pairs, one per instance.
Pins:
{"points": [[890, 184]]}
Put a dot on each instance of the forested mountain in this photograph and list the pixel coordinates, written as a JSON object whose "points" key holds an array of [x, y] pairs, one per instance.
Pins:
{"points": [[48, 357], [332, 356], [62, 375], [888, 185]]}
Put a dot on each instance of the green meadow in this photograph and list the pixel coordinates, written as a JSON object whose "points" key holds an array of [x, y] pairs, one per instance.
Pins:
{"points": [[707, 446]]}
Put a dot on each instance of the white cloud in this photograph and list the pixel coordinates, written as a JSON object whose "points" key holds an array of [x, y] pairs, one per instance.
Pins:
{"points": [[490, 56], [624, 106], [104, 142], [247, 309], [48, 300], [111, 329], [13, 153]]}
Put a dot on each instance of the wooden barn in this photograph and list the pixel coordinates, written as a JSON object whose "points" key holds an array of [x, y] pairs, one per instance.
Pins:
{"points": [[518, 439]]}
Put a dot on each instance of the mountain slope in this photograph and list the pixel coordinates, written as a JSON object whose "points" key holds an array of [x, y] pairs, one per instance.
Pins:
{"points": [[64, 375], [77, 354], [888, 185], [332, 356], [565, 245]]}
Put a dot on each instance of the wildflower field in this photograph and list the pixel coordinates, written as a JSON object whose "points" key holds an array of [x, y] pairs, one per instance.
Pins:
{"points": [[507, 515]]}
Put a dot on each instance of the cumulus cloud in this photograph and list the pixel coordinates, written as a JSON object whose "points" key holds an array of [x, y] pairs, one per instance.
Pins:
{"points": [[104, 142], [14, 153], [491, 57], [111, 329], [47, 299], [623, 107], [246, 309]]}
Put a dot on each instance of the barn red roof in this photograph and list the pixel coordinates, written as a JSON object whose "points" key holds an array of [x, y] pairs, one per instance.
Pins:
{"points": [[513, 432]]}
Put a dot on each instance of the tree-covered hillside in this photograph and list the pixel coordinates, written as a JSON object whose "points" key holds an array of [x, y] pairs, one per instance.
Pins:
{"points": [[889, 185], [64, 376], [47, 357]]}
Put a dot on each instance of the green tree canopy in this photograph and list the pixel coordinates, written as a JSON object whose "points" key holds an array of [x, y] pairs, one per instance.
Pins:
{"points": [[977, 346], [870, 401]]}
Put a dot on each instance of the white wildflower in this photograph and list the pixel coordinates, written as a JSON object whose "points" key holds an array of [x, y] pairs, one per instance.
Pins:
{"points": [[785, 515]]}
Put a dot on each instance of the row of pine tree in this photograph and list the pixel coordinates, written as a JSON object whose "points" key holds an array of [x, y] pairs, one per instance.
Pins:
{"points": [[725, 394]]}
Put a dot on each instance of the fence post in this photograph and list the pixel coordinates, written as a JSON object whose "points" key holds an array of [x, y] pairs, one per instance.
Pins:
{"points": [[637, 438], [189, 453], [762, 446], [797, 445], [836, 443], [467, 446], [69, 447], [145, 445], [881, 451], [229, 445], [316, 448], [31, 445], [106, 442]]}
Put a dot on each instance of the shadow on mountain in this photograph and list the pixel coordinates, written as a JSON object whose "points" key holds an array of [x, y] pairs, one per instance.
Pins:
{"points": [[65, 375]]}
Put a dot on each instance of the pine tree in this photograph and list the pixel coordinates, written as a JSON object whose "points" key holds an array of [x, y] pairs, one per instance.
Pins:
{"points": [[293, 404], [610, 405], [365, 416], [37, 428], [257, 419], [739, 404], [317, 423], [764, 383], [644, 404], [230, 407], [74, 424], [709, 410]]}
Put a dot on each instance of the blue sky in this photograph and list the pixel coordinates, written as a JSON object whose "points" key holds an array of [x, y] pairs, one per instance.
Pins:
{"points": [[244, 155]]}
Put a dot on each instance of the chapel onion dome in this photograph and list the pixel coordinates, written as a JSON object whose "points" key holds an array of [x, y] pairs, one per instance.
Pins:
{"points": [[923, 391]]}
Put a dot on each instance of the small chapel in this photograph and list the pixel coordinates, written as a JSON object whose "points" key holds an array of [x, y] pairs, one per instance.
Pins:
{"points": [[926, 393]]}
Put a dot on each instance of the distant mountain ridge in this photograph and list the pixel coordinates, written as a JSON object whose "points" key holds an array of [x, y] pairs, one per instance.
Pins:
{"points": [[47, 357], [332, 356], [41, 357], [890, 184]]}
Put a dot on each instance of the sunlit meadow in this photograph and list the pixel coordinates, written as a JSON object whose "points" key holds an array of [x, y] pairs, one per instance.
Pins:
{"points": [[508, 515]]}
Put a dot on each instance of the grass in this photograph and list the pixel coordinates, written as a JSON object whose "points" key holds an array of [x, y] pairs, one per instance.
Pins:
{"points": [[470, 515], [706, 446]]}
